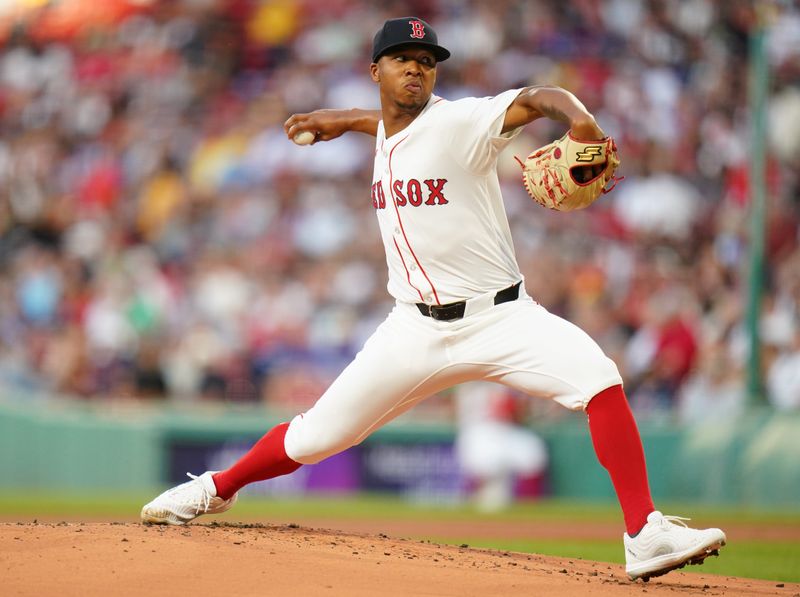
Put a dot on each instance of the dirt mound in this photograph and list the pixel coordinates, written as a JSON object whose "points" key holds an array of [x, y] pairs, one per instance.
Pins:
{"points": [[255, 559]]}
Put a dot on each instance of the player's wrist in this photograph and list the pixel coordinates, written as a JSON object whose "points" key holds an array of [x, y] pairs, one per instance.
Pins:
{"points": [[585, 128], [364, 121]]}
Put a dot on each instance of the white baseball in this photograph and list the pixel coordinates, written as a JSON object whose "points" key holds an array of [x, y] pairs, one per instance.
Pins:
{"points": [[304, 138]]}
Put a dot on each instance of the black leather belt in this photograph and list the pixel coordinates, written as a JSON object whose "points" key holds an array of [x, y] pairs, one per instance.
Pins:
{"points": [[452, 311]]}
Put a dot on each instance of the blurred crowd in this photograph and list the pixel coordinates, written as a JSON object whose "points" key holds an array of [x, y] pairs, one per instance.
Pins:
{"points": [[160, 238]]}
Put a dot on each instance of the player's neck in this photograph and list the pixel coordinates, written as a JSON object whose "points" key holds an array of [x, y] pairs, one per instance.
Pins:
{"points": [[397, 117]]}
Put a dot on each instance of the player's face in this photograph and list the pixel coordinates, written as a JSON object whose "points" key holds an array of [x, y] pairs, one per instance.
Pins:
{"points": [[406, 76]]}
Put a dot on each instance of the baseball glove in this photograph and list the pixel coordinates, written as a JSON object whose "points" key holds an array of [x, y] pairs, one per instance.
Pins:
{"points": [[570, 174]]}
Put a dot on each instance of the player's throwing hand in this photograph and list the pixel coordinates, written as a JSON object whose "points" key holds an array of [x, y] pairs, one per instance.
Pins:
{"points": [[325, 125]]}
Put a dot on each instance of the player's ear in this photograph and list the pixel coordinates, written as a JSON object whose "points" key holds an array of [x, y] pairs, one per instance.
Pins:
{"points": [[374, 72]]}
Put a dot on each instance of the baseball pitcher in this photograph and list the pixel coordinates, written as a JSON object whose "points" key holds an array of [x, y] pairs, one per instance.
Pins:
{"points": [[461, 310]]}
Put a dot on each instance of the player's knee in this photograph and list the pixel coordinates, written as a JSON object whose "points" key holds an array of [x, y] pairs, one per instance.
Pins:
{"points": [[608, 369], [596, 375], [307, 445]]}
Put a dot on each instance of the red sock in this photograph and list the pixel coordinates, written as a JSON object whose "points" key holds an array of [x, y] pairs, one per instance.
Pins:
{"points": [[265, 460], [619, 449]]}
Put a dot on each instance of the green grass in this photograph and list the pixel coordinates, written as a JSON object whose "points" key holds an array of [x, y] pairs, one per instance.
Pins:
{"points": [[772, 560], [590, 549], [778, 561], [378, 505]]}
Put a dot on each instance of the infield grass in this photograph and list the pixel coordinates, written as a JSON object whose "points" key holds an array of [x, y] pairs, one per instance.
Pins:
{"points": [[777, 559]]}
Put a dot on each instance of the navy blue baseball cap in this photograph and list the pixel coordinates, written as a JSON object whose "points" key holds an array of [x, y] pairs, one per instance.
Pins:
{"points": [[405, 31]]}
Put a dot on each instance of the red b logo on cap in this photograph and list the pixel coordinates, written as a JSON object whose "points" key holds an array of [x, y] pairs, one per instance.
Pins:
{"points": [[417, 29]]}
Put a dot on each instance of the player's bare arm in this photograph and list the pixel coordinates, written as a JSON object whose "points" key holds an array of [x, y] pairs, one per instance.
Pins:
{"points": [[405, 76], [558, 104], [330, 124], [531, 104], [555, 103]]}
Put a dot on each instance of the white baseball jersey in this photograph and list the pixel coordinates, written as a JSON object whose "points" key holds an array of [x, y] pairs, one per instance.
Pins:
{"points": [[438, 201]]}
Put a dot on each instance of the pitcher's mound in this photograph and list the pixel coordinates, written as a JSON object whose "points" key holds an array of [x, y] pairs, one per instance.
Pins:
{"points": [[123, 559]]}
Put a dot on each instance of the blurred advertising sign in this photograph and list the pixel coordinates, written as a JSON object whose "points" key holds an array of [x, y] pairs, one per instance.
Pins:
{"points": [[337, 474], [419, 471]]}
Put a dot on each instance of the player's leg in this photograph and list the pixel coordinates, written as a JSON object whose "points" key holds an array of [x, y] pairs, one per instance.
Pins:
{"points": [[403, 362], [659, 543], [546, 356], [618, 445], [215, 492]]}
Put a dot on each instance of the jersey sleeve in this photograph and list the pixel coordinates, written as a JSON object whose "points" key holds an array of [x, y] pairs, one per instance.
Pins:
{"points": [[473, 128]]}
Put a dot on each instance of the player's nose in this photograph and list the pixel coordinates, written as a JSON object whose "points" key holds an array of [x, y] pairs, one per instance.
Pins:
{"points": [[413, 67]]}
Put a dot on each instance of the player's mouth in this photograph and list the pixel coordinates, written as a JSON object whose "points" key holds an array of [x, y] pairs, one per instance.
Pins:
{"points": [[413, 86]]}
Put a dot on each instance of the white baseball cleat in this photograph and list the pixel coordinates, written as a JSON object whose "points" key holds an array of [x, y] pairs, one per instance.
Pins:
{"points": [[186, 502], [662, 546]]}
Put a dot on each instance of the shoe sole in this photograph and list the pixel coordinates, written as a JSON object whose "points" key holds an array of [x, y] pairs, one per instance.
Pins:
{"points": [[161, 516], [665, 564]]}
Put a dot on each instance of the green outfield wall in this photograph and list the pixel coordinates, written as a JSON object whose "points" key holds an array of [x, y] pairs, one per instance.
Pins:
{"points": [[64, 445]]}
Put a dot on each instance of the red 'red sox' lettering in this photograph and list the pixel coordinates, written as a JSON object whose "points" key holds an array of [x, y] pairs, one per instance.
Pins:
{"points": [[399, 197], [413, 193], [435, 189], [378, 198]]}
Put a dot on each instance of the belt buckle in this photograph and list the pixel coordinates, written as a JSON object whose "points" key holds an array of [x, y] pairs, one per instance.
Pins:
{"points": [[449, 312], [433, 314]]}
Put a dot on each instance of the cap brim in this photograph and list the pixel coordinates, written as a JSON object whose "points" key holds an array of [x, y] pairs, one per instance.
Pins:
{"points": [[441, 54]]}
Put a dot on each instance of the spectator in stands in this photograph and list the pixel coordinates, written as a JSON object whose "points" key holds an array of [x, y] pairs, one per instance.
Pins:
{"points": [[496, 451], [147, 191]]}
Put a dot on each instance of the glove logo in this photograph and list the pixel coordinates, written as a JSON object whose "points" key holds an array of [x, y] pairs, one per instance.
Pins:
{"points": [[417, 29], [589, 153]]}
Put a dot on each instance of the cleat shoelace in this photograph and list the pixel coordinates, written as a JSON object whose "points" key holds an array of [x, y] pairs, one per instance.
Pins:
{"points": [[676, 520], [206, 495], [205, 500]]}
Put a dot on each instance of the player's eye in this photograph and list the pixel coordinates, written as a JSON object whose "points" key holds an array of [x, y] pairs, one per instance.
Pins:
{"points": [[426, 61]]}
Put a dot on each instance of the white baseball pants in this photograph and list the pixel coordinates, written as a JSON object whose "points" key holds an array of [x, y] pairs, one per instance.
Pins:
{"points": [[409, 357]]}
